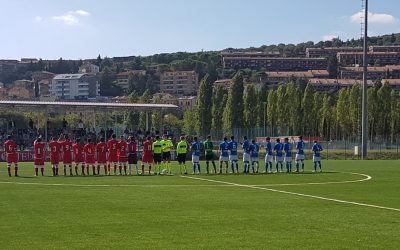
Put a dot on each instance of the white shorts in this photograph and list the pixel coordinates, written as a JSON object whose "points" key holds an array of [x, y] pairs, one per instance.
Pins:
{"points": [[288, 159], [255, 159], [300, 157], [246, 157], [195, 159], [268, 158], [316, 159], [233, 157], [39, 167], [278, 159], [223, 158]]}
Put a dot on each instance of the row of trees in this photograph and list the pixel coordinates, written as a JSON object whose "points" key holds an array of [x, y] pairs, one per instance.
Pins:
{"points": [[299, 110]]}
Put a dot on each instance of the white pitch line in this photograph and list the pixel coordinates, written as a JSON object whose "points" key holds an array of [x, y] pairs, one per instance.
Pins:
{"points": [[297, 194]]}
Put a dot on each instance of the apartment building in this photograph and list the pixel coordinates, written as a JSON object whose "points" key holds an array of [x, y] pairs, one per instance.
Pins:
{"points": [[374, 58], [374, 73], [179, 83], [275, 77], [74, 86], [330, 52]]}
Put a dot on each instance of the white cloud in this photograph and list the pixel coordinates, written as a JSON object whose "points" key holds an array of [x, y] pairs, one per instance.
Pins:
{"points": [[71, 17], [374, 18], [329, 37], [38, 19]]}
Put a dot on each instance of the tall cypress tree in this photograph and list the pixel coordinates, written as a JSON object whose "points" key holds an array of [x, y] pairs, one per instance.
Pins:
{"points": [[219, 102], [271, 110], [204, 106], [250, 107], [233, 114], [307, 109], [262, 105]]}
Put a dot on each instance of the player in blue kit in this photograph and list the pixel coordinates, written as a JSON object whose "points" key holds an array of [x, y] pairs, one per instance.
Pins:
{"points": [[224, 155], [300, 154], [278, 148], [246, 155], [316, 148], [196, 155], [233, 154], [254, 156], [268, 156], [287, 147]]}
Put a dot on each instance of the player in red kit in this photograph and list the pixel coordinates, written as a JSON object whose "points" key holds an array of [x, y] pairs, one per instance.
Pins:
{"points": [[55, 148], [66, 146], [122, 154], [147, 154], [112, 147], [39, 155], [132, 155], [78, 156], [90, 151], [10, 147], [101, 149]]}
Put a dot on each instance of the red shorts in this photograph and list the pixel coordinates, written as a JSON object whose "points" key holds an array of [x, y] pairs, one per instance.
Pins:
{"points": [[122, 159], [90, 160], [78, 159], [67, 159], [112, 158], [39, 162], [54, 160], [102, 159], [147, 159], [12, 158]]}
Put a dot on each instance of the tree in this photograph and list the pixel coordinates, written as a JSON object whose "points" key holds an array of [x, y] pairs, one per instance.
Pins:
{"points": [[333, 67], [293, 95], [354, 108], [145, 98], [384, 106], [394, 115], [250, 107], [282, 107], [233, 115], [326, 120], [373, 110], [189, 122], [307, 110], [220, 96], [271, 110], [132, 117], [342, 115], [316, 112], [262, 105], [107, 85], [204, 106]]}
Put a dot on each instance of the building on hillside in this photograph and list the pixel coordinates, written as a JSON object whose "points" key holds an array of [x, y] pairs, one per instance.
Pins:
{"points": [[187, 102], [179, 83], [3, 93], [123, 78], [275, 77], [330, 52], [335, 84], [374, 73], [8, 66], [42, 75], [394, 48], [44, 87], [89, 68], [225, 83], [275, 63], [19, 92], [374, 58], [164, 98], [252, 54], [74, 87]]}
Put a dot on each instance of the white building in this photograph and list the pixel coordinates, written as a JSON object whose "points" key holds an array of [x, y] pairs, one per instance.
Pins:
{"points": [[74, 86], [88, 68]]}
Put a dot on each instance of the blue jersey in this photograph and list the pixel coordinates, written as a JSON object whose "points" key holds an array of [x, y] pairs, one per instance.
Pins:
{"points": [[300, 147], [254, 149], [268, 148], [287, 147], [196, 148], [246, 146], [316, 148], [278, 148], [224, 148], [233, 147]]}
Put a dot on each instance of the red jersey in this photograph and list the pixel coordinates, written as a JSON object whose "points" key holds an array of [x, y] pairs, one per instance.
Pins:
{"points": [[89, 150], [39, 153], [10, 147], [122, 148], [147, 152], [66, 147], [101, 149], [78, 152], [112, 146], [11, 151], [55, 148]]}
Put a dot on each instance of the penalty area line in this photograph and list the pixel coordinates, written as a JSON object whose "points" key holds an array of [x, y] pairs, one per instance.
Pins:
{"points": [[293, 193]]}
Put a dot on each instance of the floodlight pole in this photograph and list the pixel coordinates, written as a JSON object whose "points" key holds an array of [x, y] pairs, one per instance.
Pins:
{"points": [[364, 122]]}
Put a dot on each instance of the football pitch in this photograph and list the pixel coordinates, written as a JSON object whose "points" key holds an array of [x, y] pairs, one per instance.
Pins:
{"points": [[351, 205]]}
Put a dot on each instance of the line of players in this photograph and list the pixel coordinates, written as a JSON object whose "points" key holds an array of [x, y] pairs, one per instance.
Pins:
{"points": [[122, 154], [228, 152]]}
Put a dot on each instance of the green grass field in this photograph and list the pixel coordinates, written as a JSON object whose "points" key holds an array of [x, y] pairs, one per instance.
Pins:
{"points": [[205, 212]]}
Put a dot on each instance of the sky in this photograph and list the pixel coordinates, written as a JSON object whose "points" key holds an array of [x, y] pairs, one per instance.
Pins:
{"points": [[82, 29]]}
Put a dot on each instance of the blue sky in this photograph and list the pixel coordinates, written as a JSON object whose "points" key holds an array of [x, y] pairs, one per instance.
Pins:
{"points": [[79, 29]]}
